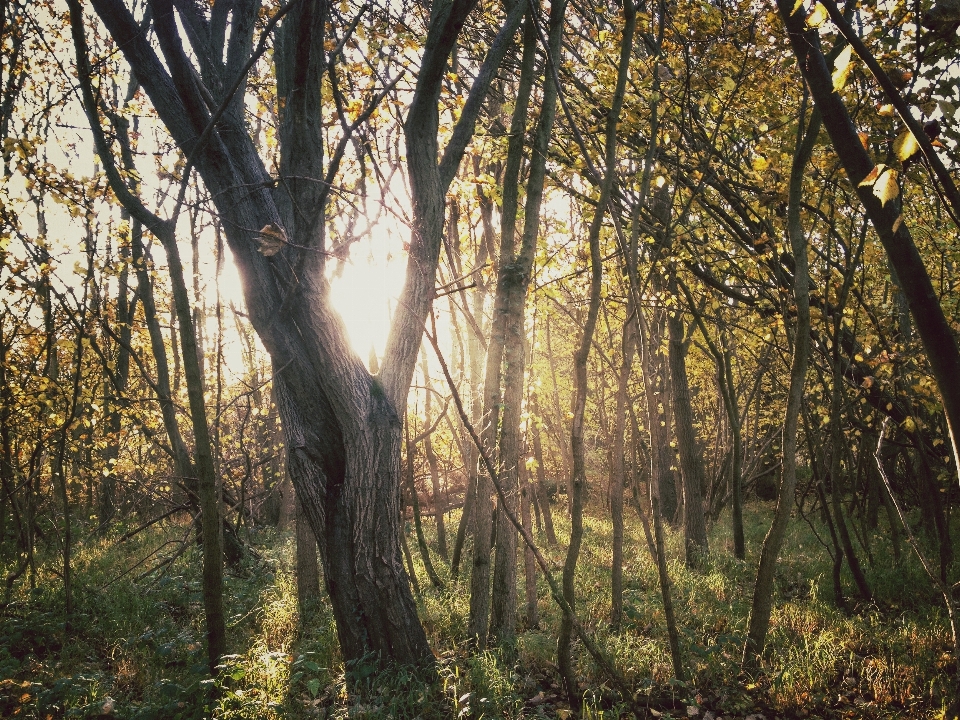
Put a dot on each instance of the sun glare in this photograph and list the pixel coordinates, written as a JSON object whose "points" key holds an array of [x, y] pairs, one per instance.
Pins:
{"points": [[365, 292]]}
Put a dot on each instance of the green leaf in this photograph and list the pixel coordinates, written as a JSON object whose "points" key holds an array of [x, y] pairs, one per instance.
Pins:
{"points": [[313, 685]]}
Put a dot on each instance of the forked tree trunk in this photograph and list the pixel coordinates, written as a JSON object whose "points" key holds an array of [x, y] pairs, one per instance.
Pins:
{"points": [[516, 278], [342, 425], [502, 622]]}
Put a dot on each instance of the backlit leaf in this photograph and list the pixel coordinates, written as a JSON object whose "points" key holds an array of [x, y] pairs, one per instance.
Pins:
{"points": [[905, 145], [886, 188], [871, 178], [842, 67], [817, 17]]}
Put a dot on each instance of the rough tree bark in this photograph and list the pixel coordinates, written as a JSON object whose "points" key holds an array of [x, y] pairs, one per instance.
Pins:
{"points": [[342, 425]]}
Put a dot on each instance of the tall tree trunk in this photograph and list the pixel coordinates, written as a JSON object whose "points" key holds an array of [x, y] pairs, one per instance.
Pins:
{"points": [[516, 278], [618, 473], [501, 348], [691, 461], [343, 426], [762, 604], [607, 182]]}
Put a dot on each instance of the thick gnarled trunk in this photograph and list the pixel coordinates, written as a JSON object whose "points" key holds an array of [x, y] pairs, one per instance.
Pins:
{"points": [[342, 425]]}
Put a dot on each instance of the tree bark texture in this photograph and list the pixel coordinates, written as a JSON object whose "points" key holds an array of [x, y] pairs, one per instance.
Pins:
{"points": [[342, 425]]}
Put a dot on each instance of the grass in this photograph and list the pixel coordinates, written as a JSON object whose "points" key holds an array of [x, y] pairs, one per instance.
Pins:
{"points": [[136, 647]]}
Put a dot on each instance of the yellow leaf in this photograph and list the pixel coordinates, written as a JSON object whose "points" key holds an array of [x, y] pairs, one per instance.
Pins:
{"points": [[864, 140], [886, 110], [842, 67], [905, 145], [728, 84], [886, 188], [817, 17], [760, 163], [910, 425], [871, 178], [796, 6]]}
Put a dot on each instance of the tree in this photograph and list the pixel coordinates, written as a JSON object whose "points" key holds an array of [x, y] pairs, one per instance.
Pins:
{"points": [[342, 425]]}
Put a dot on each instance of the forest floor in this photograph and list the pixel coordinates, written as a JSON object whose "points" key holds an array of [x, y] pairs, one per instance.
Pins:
{"points": [[136, 646]]}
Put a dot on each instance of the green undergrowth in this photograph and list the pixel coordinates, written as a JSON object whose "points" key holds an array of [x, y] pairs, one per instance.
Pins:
{"points": [[135, 647]]}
